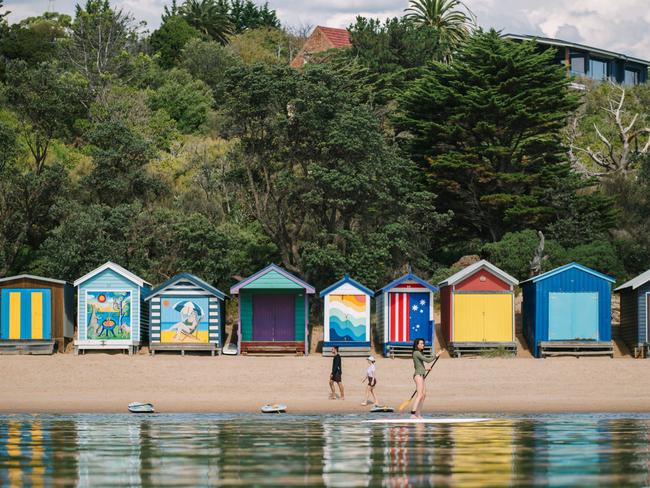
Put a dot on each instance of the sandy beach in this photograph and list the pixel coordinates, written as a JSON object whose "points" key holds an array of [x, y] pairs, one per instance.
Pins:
{"points": [[101, 382]]}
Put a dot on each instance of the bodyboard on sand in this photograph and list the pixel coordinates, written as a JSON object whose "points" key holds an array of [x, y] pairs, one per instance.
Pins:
{"points": [[230, 349], [382, 409], [139, 407], [425, 421], [276, 408]]}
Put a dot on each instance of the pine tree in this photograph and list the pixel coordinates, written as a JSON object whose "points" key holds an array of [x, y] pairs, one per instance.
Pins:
{"points": [[487, 131]]}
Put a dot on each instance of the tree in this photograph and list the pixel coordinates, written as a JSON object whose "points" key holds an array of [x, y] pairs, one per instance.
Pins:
{"points": [[245, 14], [319, 177], [98, 41], [184, 98], [487, 130], [452, 19], [170, 38], [209, 18], [47, 102], [610, 134], [264, 45]]}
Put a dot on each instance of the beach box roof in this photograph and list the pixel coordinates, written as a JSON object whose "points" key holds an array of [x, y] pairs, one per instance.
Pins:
{"points": [[634, 309], [117, 269], [272, 277], [195, 280], [346, 280]]}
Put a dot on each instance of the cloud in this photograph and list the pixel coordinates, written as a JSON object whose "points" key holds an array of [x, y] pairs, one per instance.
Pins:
{"points": [[621, 26]]}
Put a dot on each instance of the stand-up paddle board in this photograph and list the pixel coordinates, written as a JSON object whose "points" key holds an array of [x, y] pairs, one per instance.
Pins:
{"points": [[275, 408], [381, 409], [425, 421]]}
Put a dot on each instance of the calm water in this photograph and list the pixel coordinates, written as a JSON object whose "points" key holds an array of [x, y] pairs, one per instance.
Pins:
{"points": [[251, 450]]}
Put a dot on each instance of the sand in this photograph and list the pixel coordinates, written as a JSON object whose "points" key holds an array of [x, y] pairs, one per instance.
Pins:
{"points": [[100, 382]]}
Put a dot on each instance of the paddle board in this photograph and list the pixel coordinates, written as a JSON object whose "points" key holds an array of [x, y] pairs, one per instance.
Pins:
{"points": [[139, 407], [424, 421], [276, 408]]}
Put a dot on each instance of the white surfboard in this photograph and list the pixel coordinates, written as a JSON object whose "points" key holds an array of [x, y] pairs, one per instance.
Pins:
{"points": [[425, 421]]}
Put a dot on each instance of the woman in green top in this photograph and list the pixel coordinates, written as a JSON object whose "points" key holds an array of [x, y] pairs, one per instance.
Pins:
{"points": [[418, 363]]}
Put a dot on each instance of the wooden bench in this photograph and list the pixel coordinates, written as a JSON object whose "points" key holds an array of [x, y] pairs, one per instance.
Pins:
{"points": [[457, 349], [272, 347], [212, 348], [26, 347], [576, 348]]}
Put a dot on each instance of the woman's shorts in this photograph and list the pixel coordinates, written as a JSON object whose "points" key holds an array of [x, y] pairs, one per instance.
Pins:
{"points": [[372, 382]]}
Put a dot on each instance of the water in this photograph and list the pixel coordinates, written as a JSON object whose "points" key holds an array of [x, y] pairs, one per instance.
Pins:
{"points": [[337, 451]]}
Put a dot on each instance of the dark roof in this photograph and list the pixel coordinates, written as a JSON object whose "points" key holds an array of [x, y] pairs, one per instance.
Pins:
{"points": [[344, 280], [560, 43], [561, 269], [192, 279], [338, 37], [408, 277]]}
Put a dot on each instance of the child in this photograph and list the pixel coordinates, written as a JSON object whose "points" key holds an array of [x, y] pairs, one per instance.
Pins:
{"points": [[372, 381]]}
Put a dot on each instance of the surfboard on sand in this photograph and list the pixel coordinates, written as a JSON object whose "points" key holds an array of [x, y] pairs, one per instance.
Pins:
{"points": [[426, 421], [230, 349]]}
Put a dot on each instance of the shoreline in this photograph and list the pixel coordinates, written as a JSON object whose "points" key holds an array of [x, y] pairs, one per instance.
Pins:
{"points": [[104, 383]]}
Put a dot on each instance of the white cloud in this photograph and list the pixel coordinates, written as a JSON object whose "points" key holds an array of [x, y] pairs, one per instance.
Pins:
{"points": [[621, 26]]}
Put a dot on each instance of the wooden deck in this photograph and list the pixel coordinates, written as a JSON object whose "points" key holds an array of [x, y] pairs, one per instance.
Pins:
{"points": [[404, 351], [27, 347], [212, 348], [272, 347], [576, 348], [458, 349]]}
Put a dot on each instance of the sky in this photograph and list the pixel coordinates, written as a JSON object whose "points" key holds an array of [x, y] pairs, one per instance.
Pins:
{"points": [[621, 26]]}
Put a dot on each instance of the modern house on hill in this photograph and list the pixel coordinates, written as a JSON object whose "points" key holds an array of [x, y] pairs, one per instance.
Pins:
{"points": [[322, 39], [590, 62]]}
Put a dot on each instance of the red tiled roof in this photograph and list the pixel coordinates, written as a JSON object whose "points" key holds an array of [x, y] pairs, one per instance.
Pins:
{"points": [[338, 37]]}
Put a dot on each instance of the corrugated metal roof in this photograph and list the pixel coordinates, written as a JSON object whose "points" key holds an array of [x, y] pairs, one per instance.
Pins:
{"points": [[272, 267], [558, 42], [33, 277], [118, 269], [344, 280], [338, 37], [634, 283], [472, 268], [555, 271]]}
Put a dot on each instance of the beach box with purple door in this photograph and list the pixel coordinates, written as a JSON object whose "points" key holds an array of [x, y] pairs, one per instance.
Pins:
{"points": [[186, 314], [273, 312], [111, 311]]}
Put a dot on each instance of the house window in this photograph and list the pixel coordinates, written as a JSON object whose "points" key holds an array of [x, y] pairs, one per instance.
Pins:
{"points": [[598, 69], [577, 64], [631, 77]]}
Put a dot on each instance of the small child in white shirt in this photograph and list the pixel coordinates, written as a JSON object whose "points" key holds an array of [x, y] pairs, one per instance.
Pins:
{"points": [[372, 381]]}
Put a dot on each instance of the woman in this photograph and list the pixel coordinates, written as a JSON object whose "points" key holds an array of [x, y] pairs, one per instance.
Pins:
{"points": [[418, 376]]}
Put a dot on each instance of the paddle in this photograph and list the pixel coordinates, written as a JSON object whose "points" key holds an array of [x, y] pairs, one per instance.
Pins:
{"points": [[406, 402]]}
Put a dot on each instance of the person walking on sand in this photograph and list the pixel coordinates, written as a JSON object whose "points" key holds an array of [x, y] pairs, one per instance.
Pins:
{"points": [[336, 375], [418, 376], [372, 381]]}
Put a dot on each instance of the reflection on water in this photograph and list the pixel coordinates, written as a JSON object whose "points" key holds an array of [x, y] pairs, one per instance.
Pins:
{"points": [[333, 451]]}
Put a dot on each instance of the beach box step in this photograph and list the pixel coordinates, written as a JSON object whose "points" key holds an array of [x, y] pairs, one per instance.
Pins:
{"points": [[576, 348], [270, 347], [180, 347], [404, 351], [458, 349], [347, 351], [131, 349], [26, 347]]}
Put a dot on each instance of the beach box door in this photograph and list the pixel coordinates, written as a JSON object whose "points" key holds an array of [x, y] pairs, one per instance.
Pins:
{"points": [[409, 317], [483, 317], [347, 318], [26, 314], [572, 316], [274, 318]]}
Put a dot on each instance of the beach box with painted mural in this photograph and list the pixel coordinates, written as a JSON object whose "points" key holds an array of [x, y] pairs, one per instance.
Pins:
{"points": [[186, 313], [36, 314], [346, 317], [273, 312], [405, 313], [111, 311], [477, 309], [569, 307]]}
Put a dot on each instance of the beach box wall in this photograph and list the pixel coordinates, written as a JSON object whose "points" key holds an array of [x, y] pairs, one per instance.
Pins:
{"points": [[34, 308], [635, 298]]}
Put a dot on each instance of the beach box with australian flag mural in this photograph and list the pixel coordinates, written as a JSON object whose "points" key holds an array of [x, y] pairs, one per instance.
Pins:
{"points": [[346, 317], [405, 313], [111, 311]]}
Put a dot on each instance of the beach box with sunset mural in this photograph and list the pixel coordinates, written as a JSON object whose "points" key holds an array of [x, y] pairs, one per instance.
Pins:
{"points": [[111, 311], [405, 313], [186, 314], [36, 314], [346, 317]]}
